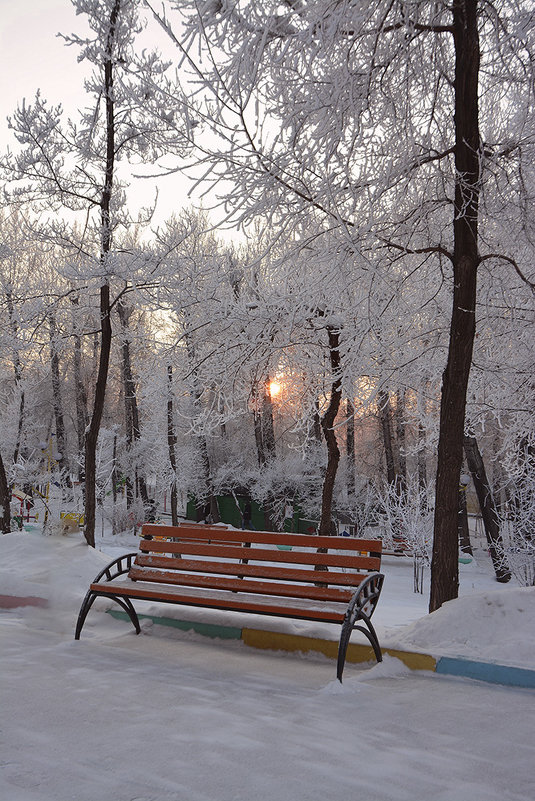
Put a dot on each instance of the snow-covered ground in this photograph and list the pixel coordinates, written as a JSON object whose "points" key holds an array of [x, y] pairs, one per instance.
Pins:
{"points": [[173, 716]]}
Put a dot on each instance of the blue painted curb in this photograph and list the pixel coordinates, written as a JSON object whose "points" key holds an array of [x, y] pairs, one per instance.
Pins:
{"points": [[486, 671]]}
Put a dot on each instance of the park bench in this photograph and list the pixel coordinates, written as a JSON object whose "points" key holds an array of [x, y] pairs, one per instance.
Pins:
{"points": [[306, 577]]}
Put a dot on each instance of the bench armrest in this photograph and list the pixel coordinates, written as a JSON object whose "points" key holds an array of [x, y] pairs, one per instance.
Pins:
{"points": [[117, 567], [366, 597]]}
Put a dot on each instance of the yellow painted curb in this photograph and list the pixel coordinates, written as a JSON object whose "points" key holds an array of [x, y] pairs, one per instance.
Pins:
{"points": [[277, 641], [413, 660]]}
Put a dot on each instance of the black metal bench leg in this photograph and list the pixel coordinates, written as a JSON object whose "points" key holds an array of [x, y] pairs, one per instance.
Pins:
{"points": [[371, 634], [126, 604], [347, 628], [373, 640], [84, 609]]}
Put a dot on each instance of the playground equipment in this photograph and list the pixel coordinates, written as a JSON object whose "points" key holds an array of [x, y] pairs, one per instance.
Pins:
{"points": [[71, 522], [26, 506]]}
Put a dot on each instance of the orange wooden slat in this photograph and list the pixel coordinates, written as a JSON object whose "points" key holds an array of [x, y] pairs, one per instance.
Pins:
{"points": [[260, 554], [264, 570], [206, 532], [233, 602], [246, 585]]}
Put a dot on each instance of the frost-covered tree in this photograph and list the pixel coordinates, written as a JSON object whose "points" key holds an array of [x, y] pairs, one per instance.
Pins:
{"points": [[407, 127], [68, 166]]}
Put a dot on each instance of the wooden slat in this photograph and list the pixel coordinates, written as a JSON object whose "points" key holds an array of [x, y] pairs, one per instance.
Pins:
{"points": [[283, 572], [260, 554], [206, 532], [235, 585], [234, 602]]}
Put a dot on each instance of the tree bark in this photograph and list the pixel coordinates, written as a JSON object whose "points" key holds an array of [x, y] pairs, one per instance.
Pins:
{"points": [[488, 508], [327, 425], [464, 531], [268, 428], [444, 564], [206, 496], [91, 437], [385, 417], [133, 430], [422, 467], [17, 367], [316, 423], [5, 500], [92, 433], [61, 441], [80, 393], [114, 482], [350, 447], [401, 442], [171, 444]]}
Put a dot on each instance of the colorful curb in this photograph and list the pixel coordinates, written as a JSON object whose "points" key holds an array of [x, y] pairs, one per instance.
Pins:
{"points": [[355, 652], [278, 641], [486, 671], [206, 629]]}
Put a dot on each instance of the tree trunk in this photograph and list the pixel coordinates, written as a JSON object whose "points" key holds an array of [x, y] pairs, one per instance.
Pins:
{"points": [[171, 444], [264, 429], [257, 422], [92, 433], [114, 482], [350, 448], [327, 425], [401, 442], [422, 467], [385, 417], [133, 431], [61, 442], [91, 437], [206, 497], [17, 367], [316, 424], [5, 500], [488, 508], [268, 428], [445, 565], [464, 531], [80, 393]]}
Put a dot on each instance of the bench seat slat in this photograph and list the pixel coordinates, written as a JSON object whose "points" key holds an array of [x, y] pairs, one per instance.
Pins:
{"points": [[207, 532], [245, 585], [264, 570], [261, 554], [325, 611]]}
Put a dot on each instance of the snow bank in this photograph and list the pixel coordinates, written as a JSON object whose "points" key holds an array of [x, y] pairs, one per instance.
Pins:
{"points": [[493, 626], [56, 569]]}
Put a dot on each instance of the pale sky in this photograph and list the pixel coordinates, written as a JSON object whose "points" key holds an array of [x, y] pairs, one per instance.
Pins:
{"points": [[33, 57]]}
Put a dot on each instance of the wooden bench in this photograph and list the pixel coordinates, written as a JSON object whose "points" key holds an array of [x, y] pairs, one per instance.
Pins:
{"points": [[258, 572]]}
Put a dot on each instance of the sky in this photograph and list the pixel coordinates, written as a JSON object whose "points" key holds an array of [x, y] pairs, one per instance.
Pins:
{"points": [[33, 57]]}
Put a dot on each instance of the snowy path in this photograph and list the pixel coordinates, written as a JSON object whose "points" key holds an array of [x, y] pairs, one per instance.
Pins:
{"points": [[168, 716]]}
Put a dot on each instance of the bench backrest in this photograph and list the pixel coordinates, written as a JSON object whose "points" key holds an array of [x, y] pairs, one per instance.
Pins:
{"points": [[295, 565]]}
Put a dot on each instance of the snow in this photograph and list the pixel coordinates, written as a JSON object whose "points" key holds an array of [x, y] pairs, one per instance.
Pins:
{"points": [[173, 716]]}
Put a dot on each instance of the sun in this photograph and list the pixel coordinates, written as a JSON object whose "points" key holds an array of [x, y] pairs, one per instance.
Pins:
{"points": [[274, 388]]}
